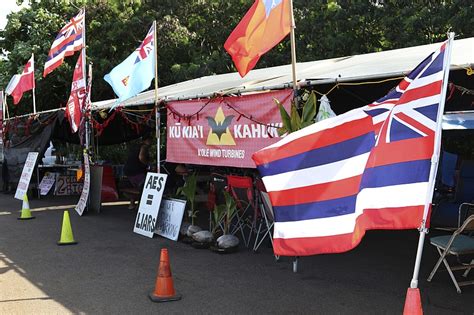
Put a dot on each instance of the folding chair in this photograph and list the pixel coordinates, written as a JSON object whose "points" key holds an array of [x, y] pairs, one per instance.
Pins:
{"points": [[265, 217], [458, 245], [241, 189]]}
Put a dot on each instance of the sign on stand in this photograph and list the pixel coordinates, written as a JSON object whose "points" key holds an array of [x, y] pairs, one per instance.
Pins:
{"points": [[170, 218], [25, 178], [150, 204], [82, 203], [46, 183]]}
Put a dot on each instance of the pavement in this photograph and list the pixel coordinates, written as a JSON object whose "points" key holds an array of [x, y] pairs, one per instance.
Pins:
{"points": [[112, 270]]}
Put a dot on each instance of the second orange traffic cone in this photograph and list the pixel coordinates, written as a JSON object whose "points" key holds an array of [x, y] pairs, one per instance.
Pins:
{"points": [[164, 288]]}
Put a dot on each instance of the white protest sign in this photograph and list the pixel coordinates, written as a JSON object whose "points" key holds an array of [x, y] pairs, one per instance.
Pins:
{"points": [[81, 204], [25, 178], [150, 204], [46, 183], [170, 217]]}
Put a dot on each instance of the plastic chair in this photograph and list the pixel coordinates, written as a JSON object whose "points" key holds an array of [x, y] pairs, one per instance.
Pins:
{"points": [[457, 245], [450, 213], [241, 189]]}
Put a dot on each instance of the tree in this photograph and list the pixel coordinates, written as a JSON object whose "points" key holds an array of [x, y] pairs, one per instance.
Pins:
{"points": [[191, 35]]}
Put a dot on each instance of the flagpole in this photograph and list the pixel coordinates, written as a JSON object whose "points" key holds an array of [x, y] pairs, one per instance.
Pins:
{"points": [[434, 162], [34, 96], [85, 110], [157, 110], [6, 106], [293, 48], [3, 105]]}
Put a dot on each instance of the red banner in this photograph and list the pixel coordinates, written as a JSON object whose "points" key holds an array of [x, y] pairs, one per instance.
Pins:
{"points": [[223, 131]]}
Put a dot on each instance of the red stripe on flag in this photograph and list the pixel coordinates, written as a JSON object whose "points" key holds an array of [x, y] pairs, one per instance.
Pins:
{"points": [[421, 92], [403, 218], [319, 192], [346, 131], [396, 152]]}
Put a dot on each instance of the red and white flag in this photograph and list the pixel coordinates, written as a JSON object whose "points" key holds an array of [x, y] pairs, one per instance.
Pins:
{"points": [[76, 98], [21, 83]]}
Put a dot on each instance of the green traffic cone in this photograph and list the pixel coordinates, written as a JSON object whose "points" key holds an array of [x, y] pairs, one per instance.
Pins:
{"points": [[66, 232], [25, 211]]}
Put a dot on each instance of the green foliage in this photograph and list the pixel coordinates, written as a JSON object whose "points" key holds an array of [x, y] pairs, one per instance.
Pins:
{"points": [[189, 192], [191, 34], [225, 213], [294, 121]]}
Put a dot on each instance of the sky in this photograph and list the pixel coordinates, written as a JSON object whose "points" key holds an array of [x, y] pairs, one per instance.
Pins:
{"points": [[8, 6]]}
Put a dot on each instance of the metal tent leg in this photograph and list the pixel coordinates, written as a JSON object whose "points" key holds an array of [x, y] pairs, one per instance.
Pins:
{"points": [[295, 264]]}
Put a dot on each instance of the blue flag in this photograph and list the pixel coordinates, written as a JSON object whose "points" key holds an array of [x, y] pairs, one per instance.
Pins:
{"points": [[135, 73]]}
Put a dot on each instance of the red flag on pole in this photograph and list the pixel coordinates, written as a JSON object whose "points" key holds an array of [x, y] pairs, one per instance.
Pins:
{"points": [[76, 98], [23, 82], [263, 26]]}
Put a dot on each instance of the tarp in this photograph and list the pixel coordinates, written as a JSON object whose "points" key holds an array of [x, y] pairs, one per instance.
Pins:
{"points": [[223, 131], [28, 136], [458, 120], [391, 63]]}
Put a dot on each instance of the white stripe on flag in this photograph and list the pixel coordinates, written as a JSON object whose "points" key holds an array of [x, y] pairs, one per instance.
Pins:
{"points": [[343, 169], [321, 125], [373, 198]]}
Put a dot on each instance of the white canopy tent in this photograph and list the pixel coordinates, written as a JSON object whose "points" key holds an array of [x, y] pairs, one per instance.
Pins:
{"points": [[385, 64]]}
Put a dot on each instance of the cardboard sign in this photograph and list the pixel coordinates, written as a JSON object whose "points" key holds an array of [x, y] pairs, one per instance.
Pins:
{"points": [[67, 185], [46, 183], [81, 204], [25, 178], [150, 204], [170, 218]]}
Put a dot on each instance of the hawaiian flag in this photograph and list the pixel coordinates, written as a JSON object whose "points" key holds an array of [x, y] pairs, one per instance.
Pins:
{"points": [[76, 98], [69, 40], [366, 169], [23, 82], [263, 26]]}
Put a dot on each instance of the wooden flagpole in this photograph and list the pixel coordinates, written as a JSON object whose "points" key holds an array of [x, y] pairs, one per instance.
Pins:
{"points": [[434, 162], [34, 95], [84, 71], [293, 48], [157, 110]]}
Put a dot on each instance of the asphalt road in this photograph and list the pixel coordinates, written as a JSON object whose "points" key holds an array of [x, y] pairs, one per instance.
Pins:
{"points": [[112, 270]]}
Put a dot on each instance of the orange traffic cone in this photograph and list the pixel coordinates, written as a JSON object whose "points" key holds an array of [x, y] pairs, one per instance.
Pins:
{"points": [[164, 288], [413, 302]]}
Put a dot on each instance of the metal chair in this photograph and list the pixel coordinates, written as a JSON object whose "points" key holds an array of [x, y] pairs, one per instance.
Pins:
{"points": [[459, 245], [265, 217]]}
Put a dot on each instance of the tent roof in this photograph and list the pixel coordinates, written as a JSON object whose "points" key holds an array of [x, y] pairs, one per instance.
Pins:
{"points": [[383, 64]]}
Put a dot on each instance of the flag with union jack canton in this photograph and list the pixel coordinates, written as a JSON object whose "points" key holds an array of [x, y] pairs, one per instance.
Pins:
{"points": [[69, 39], [366, 169], [135, 73]]}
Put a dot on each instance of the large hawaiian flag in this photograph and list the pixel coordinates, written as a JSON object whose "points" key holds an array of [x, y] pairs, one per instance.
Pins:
{"points": [[366, 169]]}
